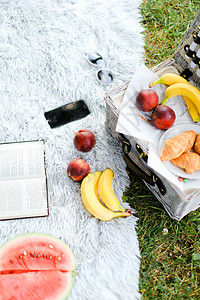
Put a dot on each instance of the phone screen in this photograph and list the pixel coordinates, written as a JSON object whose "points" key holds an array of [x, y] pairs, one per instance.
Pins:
{"points": [[67, 113]]}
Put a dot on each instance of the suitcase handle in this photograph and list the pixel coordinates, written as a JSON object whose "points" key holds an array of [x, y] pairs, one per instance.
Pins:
{"points": [[151, 179]]}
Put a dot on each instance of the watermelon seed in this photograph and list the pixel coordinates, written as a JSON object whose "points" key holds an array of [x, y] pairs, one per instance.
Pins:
{"points": [[34, 255], [38, 255], [31, 254], [25, 253], [20, 256], [50, 257], [59, 258], [12, 261], [51, 246]]}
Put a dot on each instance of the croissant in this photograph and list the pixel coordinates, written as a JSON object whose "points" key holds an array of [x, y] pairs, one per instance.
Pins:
{"points": [[188, 161], [197, 144], [177, 145]]}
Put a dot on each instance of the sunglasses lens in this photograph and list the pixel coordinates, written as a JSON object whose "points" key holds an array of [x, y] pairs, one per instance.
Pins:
{"points": [[95, 59], [105, 77]]}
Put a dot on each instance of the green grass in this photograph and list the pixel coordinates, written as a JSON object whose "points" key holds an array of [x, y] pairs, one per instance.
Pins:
{"points": [[170, 263], [166, 22]]}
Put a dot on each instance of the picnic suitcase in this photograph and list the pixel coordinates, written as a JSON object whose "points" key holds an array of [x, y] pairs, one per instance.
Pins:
{"points": [[186, 62]]}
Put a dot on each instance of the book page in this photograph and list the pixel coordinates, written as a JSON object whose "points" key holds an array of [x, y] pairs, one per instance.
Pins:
{"points": [[23, 185], [21, 160], [23, 198]]}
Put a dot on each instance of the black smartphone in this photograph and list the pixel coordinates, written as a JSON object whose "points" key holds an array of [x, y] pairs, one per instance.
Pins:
{"points": [[67, 113]]}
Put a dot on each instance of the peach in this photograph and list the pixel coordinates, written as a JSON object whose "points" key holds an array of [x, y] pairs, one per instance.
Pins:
{"points": [[84, 140], [163, 117], [78, 169], [146, 100]]}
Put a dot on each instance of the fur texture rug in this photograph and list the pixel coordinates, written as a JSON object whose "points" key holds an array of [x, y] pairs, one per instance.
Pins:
{"points": [[43, 47]]}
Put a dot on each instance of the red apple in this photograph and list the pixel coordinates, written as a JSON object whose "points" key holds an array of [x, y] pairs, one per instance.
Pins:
{"points": [[146, 100], [78, 169], [84, 140], [163, 117]]}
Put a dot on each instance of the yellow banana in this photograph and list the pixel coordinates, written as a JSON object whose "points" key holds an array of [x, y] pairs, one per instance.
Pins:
{"points": [[183, 89], [168, 79], [192, 109], [92, 202], [106, 191]]}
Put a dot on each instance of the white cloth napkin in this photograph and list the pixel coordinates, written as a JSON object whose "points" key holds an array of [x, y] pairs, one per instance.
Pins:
{"points": [[131, 123]]}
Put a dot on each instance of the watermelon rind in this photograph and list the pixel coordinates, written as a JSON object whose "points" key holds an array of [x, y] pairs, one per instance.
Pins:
{"points": [[70, 286]]}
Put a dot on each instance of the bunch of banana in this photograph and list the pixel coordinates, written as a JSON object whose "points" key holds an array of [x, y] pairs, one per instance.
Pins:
{"points": [[177, 85], [101, 182]]}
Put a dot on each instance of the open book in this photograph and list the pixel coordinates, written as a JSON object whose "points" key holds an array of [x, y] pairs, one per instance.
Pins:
{"points": [[23, 184]]}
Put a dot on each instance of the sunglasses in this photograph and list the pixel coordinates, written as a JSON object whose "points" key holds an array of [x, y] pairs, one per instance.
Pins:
{"points": [[104, 76]]}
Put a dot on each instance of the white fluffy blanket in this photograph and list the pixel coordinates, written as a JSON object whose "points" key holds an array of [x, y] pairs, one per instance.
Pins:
{"points": [[42, 66]]}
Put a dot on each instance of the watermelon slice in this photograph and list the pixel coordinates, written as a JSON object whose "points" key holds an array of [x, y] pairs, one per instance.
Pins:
{"points": [[35, 266]]}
